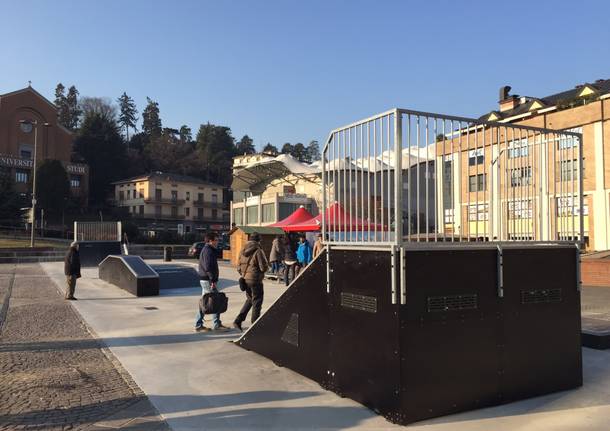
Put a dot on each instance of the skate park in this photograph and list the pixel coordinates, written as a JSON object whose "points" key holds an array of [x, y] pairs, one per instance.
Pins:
{"points": [[298, 377]]}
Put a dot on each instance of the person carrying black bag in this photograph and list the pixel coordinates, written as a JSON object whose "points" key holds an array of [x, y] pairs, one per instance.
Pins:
{"points": [[208, 278], [252, 267]]}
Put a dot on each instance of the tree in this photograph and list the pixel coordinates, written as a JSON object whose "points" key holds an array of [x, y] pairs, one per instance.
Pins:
{"points": [[128, 114], [10, 201], [245, 146], [102, 106], [299, 152], [313, 152], [62, 105], [73, 109], [216, 149], [186, 135], [287, 148], [151, 122], [270, 149], [52, 186], [100, 145]]}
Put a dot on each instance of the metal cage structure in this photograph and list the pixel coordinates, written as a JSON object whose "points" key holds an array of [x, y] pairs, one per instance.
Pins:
{"points": [[461, 180], [97, 231]]}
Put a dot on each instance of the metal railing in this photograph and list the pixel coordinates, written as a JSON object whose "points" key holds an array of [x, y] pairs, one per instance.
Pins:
{"points": [[97, 231], [461, 180]]}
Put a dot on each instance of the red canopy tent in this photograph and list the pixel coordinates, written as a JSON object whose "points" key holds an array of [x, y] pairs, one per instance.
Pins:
{"points": [[299, 216], [337, 219]]}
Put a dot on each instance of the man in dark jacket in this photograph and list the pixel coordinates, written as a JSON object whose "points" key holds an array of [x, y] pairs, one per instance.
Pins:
{"points": [[252, 267], [208, 278], [72, 269]]}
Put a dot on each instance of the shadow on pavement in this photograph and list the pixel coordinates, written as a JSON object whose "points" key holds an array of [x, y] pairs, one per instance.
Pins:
{"points": [[96, 343]]}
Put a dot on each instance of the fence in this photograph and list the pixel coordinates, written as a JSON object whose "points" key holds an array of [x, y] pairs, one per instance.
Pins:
{"points": [[461, 180], [97, 231]]}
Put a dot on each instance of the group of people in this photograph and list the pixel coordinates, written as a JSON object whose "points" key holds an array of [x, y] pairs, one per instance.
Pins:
{"points": [[290, 257], [252, 266]]}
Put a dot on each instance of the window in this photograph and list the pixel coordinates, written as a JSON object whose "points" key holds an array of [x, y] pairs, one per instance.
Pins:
{"points": [[187, 212], [133, 210], [476, 183], [476, 157], [478, 212], [447, 184], [199, 197], [214, 197], [289, 190], [187, 229], [521, 176], [268, 213], [25, 151], [141, 193], [135, 195], [158, 210], [564, 142], [238, 216], [214, 214], [141, 209], [158, 194], [188, 196], [121, 195], [569, 206], [568, 169], [75, 181], [519, 148], [520, 209], [200, 213], [21, 176], [174, 211], [252, 214], [174, 195]]}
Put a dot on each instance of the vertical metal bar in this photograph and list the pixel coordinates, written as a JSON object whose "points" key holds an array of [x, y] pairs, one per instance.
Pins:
{"points": [[476, 164], [344, 199], [361, 185], [486, 202], [409, 181], [574, 170], [384, 164], [389, 199], [393, 271], [375, 176], [398, 178], [436, 198], [328, 270], [468, 179], [427, 143], [451, 185], [418, 177], [324, 185], [500, 272], [581, 193], [403, 276], [368, 177]]}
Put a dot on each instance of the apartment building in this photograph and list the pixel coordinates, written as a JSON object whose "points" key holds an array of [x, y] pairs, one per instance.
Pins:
{"points": [[164, 201]]}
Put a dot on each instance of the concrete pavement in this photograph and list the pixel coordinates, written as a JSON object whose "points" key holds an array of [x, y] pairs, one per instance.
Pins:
{"points": [[201, 381]]}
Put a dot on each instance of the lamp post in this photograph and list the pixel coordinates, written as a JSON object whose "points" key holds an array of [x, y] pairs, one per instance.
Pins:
{"points": [[34, 124]]}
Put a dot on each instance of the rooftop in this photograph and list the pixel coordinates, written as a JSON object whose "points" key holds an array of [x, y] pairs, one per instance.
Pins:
{"points": [[166, 176]]}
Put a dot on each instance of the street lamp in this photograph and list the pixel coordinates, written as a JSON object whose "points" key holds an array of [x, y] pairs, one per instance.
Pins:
{"points": [[34, 124]]}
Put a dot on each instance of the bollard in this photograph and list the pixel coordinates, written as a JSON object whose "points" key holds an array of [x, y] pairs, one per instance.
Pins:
{"points": [[167, 254]]}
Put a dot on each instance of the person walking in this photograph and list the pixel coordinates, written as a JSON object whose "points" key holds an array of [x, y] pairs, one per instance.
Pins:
{"points": [[318, 246], [72, 269], [252, 267], [290, 261], [303, 254], [208, 279], [276, 254]]}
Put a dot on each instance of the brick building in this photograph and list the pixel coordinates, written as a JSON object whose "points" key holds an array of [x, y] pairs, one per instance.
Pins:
{"points": [[18, 136]]}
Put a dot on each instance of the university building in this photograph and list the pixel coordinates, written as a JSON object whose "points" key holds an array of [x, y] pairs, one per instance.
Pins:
{"points": [[28, 119], [163, 201]]}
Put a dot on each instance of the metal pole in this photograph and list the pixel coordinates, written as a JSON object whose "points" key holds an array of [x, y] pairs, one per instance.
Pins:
{"points": [[32, 233], [398, 178]]}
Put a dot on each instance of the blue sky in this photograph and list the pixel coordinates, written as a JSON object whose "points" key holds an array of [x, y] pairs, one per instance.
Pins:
{"points": [[289, 71]]}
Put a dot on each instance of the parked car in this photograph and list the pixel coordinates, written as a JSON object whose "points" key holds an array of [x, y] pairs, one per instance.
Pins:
{"points": [[195, 249]]}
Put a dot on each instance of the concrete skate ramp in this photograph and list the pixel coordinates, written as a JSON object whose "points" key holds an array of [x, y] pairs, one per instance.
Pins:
{"points": [[130, 273], [175, 276]]}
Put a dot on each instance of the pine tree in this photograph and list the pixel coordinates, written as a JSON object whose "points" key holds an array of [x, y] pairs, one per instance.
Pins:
{"points": [[62, 105], [186, 135], [270, 149], [72, 108], [128, 114], [313, 152], [245, 146], [151, 122]]}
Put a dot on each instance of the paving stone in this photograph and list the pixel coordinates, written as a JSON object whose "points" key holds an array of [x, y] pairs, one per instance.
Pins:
{"points": [[53, 374]]}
